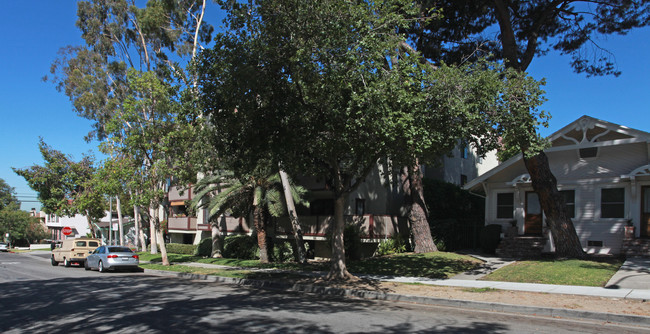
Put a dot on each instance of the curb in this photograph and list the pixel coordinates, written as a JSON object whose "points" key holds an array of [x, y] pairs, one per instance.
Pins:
{"points": [[372, 295]]}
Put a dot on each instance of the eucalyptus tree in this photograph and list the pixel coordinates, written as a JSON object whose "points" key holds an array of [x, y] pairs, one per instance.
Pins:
{"points": [[127, 78], [516, 32], [329, 88], [65, 187]]}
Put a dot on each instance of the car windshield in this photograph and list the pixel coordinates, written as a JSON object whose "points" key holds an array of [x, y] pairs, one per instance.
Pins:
{"points": [[119, 250]]}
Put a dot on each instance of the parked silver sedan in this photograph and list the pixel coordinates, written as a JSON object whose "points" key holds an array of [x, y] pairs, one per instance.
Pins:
{"points": [[112, 257]]}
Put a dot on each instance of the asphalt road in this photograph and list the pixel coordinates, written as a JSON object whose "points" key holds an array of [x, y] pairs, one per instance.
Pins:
{"points": [[38, 298]]}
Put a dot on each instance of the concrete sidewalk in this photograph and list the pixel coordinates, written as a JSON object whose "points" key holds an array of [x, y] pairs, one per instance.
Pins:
{"points": [[634, 270], [632, 281]]}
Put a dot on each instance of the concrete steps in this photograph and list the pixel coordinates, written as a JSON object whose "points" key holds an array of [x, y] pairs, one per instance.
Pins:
{"points": [[636, 247]]}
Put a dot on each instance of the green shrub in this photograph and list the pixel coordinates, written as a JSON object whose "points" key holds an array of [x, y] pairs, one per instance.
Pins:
{"points": [[204, 248], [456, 216], [241, 247], [187, 249], [393, 245], [490, 237], [282, 251]]}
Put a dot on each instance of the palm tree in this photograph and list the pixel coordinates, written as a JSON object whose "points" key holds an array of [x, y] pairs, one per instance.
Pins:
{"points": [[260, 196]]}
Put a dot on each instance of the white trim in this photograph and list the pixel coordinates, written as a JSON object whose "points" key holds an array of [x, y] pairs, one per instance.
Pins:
{"points": [[521, 179], [640, 171]]}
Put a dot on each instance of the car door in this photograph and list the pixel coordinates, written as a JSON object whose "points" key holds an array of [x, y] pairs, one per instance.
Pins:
{"points": [[93, 259]]}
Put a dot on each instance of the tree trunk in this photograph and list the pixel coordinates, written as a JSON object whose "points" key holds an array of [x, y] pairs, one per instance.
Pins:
{"points": [[90, 224], [216, 240], [152, 230], [417, 213], [119, 219], [567, 243], [338, 270], [293, 217], [258, 221], [159, 235]]}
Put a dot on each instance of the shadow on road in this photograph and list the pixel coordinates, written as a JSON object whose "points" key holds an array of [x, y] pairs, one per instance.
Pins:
{"points": [[147, 304]]}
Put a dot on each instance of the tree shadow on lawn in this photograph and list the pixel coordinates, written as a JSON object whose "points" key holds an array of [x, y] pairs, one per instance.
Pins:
{"points": [[415, 265]]}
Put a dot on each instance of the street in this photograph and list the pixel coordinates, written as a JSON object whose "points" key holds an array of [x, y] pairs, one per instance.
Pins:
{"points": [[38, 298]]}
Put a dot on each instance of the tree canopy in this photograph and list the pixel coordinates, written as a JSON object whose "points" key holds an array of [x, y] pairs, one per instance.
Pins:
{"points": [[328, 88]]}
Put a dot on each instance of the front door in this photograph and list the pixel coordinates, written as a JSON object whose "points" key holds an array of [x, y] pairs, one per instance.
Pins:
{"points": [[645, 211], [533, 221]]}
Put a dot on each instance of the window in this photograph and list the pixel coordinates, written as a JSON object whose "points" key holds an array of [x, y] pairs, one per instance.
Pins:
{"points": [[93, 244], [570, 200], [464, 150], [505, 205], [360, 205], [590, 152], [612, 203], [80, 244], [463, 179]]}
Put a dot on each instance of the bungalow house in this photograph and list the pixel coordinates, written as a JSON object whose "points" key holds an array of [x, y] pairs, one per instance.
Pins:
{"points": [[603, 172]]}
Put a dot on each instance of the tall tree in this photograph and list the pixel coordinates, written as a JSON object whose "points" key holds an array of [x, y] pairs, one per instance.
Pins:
{"points": [[525, 30], [328, 88], [65, 187], [127, 78], [7, 195]]}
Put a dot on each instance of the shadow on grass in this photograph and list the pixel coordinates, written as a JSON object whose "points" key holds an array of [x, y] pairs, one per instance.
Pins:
{"points": [[415, 265]]}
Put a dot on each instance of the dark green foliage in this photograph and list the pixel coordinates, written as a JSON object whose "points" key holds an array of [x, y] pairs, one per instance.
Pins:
{"points": [[455, 215], [282, 251], [490, 237], [352, 242], [394, 245], [241, 247], [204, 248], [181, 248]]}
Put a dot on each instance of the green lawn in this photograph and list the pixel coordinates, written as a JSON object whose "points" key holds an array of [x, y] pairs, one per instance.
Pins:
{"points": [[564, 272], [432, 265]]}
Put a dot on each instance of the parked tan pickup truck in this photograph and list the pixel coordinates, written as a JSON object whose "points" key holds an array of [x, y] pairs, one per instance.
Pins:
{"points": [[74, 251]]}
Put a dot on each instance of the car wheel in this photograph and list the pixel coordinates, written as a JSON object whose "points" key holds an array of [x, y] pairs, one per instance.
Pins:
{"points": [[86, 265], [66, 263], [100, 267], [54, 263]]}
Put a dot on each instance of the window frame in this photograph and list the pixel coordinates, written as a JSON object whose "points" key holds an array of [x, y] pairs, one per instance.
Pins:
{"points": [[512, 205], [612, 203]]}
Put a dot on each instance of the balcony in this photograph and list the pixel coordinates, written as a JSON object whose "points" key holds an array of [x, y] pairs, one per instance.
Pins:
{"points": [[182, 223], [174, 194]]}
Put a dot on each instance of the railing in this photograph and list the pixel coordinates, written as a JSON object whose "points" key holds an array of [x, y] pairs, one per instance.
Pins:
{"points": [[174, 194], [181, 223]]}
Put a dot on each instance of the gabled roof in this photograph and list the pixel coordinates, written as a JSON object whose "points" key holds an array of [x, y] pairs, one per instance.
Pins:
{"points": [[584, 132]]}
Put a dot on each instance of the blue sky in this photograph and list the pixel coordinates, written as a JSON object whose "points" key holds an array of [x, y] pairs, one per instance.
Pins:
{"points": [[33, 32]]}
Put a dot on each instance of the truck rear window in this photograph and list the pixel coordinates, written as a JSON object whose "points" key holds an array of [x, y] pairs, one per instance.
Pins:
{"points": [[80, 244], [93, 244]]}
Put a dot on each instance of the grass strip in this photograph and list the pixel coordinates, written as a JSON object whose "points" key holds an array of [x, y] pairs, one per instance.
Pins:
{"points": [[563, 272]]}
